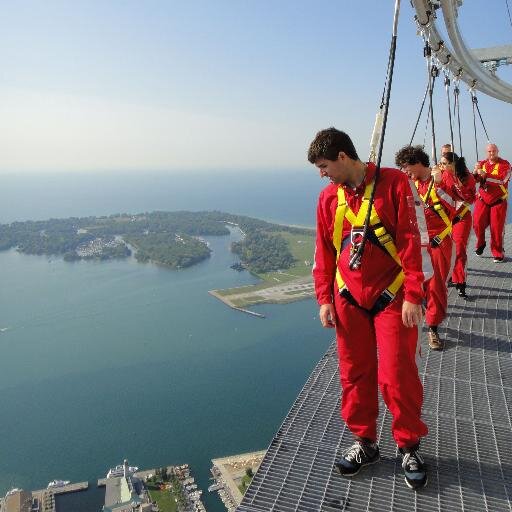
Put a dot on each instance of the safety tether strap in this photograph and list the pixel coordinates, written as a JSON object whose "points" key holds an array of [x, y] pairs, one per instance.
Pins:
{"points": [[438, 208], [343, 212]]}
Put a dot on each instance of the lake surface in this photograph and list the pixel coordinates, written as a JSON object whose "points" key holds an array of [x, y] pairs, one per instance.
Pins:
{"points": [[110, 360]]}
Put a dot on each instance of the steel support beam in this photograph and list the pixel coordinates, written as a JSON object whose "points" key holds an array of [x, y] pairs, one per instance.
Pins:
{"points": [[460, 61]]}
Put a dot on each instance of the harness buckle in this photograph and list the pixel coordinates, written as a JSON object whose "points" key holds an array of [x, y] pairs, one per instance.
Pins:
{"points": [[435, 241], [356, 239]]}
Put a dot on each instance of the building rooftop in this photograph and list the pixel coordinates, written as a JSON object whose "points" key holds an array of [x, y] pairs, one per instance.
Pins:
{"points": [[467, 406]]}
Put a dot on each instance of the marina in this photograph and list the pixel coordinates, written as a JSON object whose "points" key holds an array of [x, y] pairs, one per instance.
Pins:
{"points": [[43, 500], [229, 473], [122, 480]]}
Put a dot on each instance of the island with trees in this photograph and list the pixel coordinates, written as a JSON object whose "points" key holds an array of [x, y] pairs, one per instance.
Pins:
{"points": [[167, 238]]}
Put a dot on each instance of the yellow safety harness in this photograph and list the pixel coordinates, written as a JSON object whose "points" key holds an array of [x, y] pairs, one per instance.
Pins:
{"points": [[343, 212], [494, 172], [461, 214], [438, 208]]}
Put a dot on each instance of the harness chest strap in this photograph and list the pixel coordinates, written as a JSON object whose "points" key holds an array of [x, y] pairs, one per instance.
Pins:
{"points": [[438, 208], [343, 211], [494, 172]]}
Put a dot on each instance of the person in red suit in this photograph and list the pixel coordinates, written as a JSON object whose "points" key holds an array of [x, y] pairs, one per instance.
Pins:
{"points": [[490, 210], [435, 187], [375, 303], [465, 189]]}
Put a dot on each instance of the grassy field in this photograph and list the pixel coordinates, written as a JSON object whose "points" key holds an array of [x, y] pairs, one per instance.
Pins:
{"points": [[302, 248], [164, 499]]}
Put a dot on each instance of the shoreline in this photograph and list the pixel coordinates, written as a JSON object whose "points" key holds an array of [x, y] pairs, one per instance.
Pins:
{"points": [[266, 293]]}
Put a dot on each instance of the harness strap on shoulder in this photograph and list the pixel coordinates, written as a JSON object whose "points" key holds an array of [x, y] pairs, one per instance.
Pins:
{"points": [[494, 172], [343, 211], [438, 208]]}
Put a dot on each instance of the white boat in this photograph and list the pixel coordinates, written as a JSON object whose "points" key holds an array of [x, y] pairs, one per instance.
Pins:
{"points": [[58, 483], [119, 471]]}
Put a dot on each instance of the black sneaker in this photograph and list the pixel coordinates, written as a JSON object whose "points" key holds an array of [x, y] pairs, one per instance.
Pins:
{"points": [[480, 249], [358, 455], [415, 469], [499, 259], [461, 290]]}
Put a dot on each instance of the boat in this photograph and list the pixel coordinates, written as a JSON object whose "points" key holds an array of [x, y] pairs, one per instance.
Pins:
{"points": [[119, 471], [57, 483], [215, 487]]}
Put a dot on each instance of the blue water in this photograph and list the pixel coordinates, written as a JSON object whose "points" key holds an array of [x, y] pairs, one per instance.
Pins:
{"points": [[110, 360], [281, 196]]}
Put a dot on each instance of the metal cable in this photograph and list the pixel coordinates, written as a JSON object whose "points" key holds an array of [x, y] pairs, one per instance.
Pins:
{"points": [[355, 260], [475, 101], [474, 126], [456, 106], [433, 74], [447, 87], [508, 10], [419, 115], [426, 129]]}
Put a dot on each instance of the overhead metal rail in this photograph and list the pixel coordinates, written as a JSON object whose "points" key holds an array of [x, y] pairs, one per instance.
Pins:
{"points": [[463, 63]]}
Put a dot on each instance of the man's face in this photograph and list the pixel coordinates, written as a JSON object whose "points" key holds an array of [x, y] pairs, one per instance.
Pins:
{"points": [[414, 171], [333, 169], [492, 152], [446, 149]]}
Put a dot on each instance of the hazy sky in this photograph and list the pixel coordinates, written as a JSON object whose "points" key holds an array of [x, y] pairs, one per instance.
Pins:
{"points": [[218, 84]]}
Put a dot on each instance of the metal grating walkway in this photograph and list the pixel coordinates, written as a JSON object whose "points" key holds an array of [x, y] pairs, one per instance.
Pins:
{"points": [[468, 404]]}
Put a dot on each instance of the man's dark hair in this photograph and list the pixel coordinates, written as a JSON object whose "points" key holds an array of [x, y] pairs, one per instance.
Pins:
{"points": [[328, 143], [412, 155]]}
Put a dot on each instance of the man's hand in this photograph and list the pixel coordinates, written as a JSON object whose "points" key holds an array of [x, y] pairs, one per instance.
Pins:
{"points": [[479, 170], [437, 174], [327, 317], [412, 314]]}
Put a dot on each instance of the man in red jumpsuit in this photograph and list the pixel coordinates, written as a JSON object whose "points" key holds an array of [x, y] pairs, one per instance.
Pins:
{"points": [[493, 175], [374, 306], [465, 189], [436, 191]]}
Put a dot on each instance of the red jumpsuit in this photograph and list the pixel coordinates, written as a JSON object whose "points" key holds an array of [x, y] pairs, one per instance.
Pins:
{"points": [[491, 204], [359, 333], [466, 192], [440, 250]]}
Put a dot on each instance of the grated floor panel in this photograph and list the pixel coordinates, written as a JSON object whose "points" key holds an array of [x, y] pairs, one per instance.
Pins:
{"points": [[467, 406]]}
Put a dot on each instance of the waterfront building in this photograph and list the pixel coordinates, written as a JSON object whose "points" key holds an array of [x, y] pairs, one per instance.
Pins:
{"points": [[126, 493], [17, 500]]}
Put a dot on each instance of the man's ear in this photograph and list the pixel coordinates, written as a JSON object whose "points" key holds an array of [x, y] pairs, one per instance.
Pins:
{"points": [[342, 155]]}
